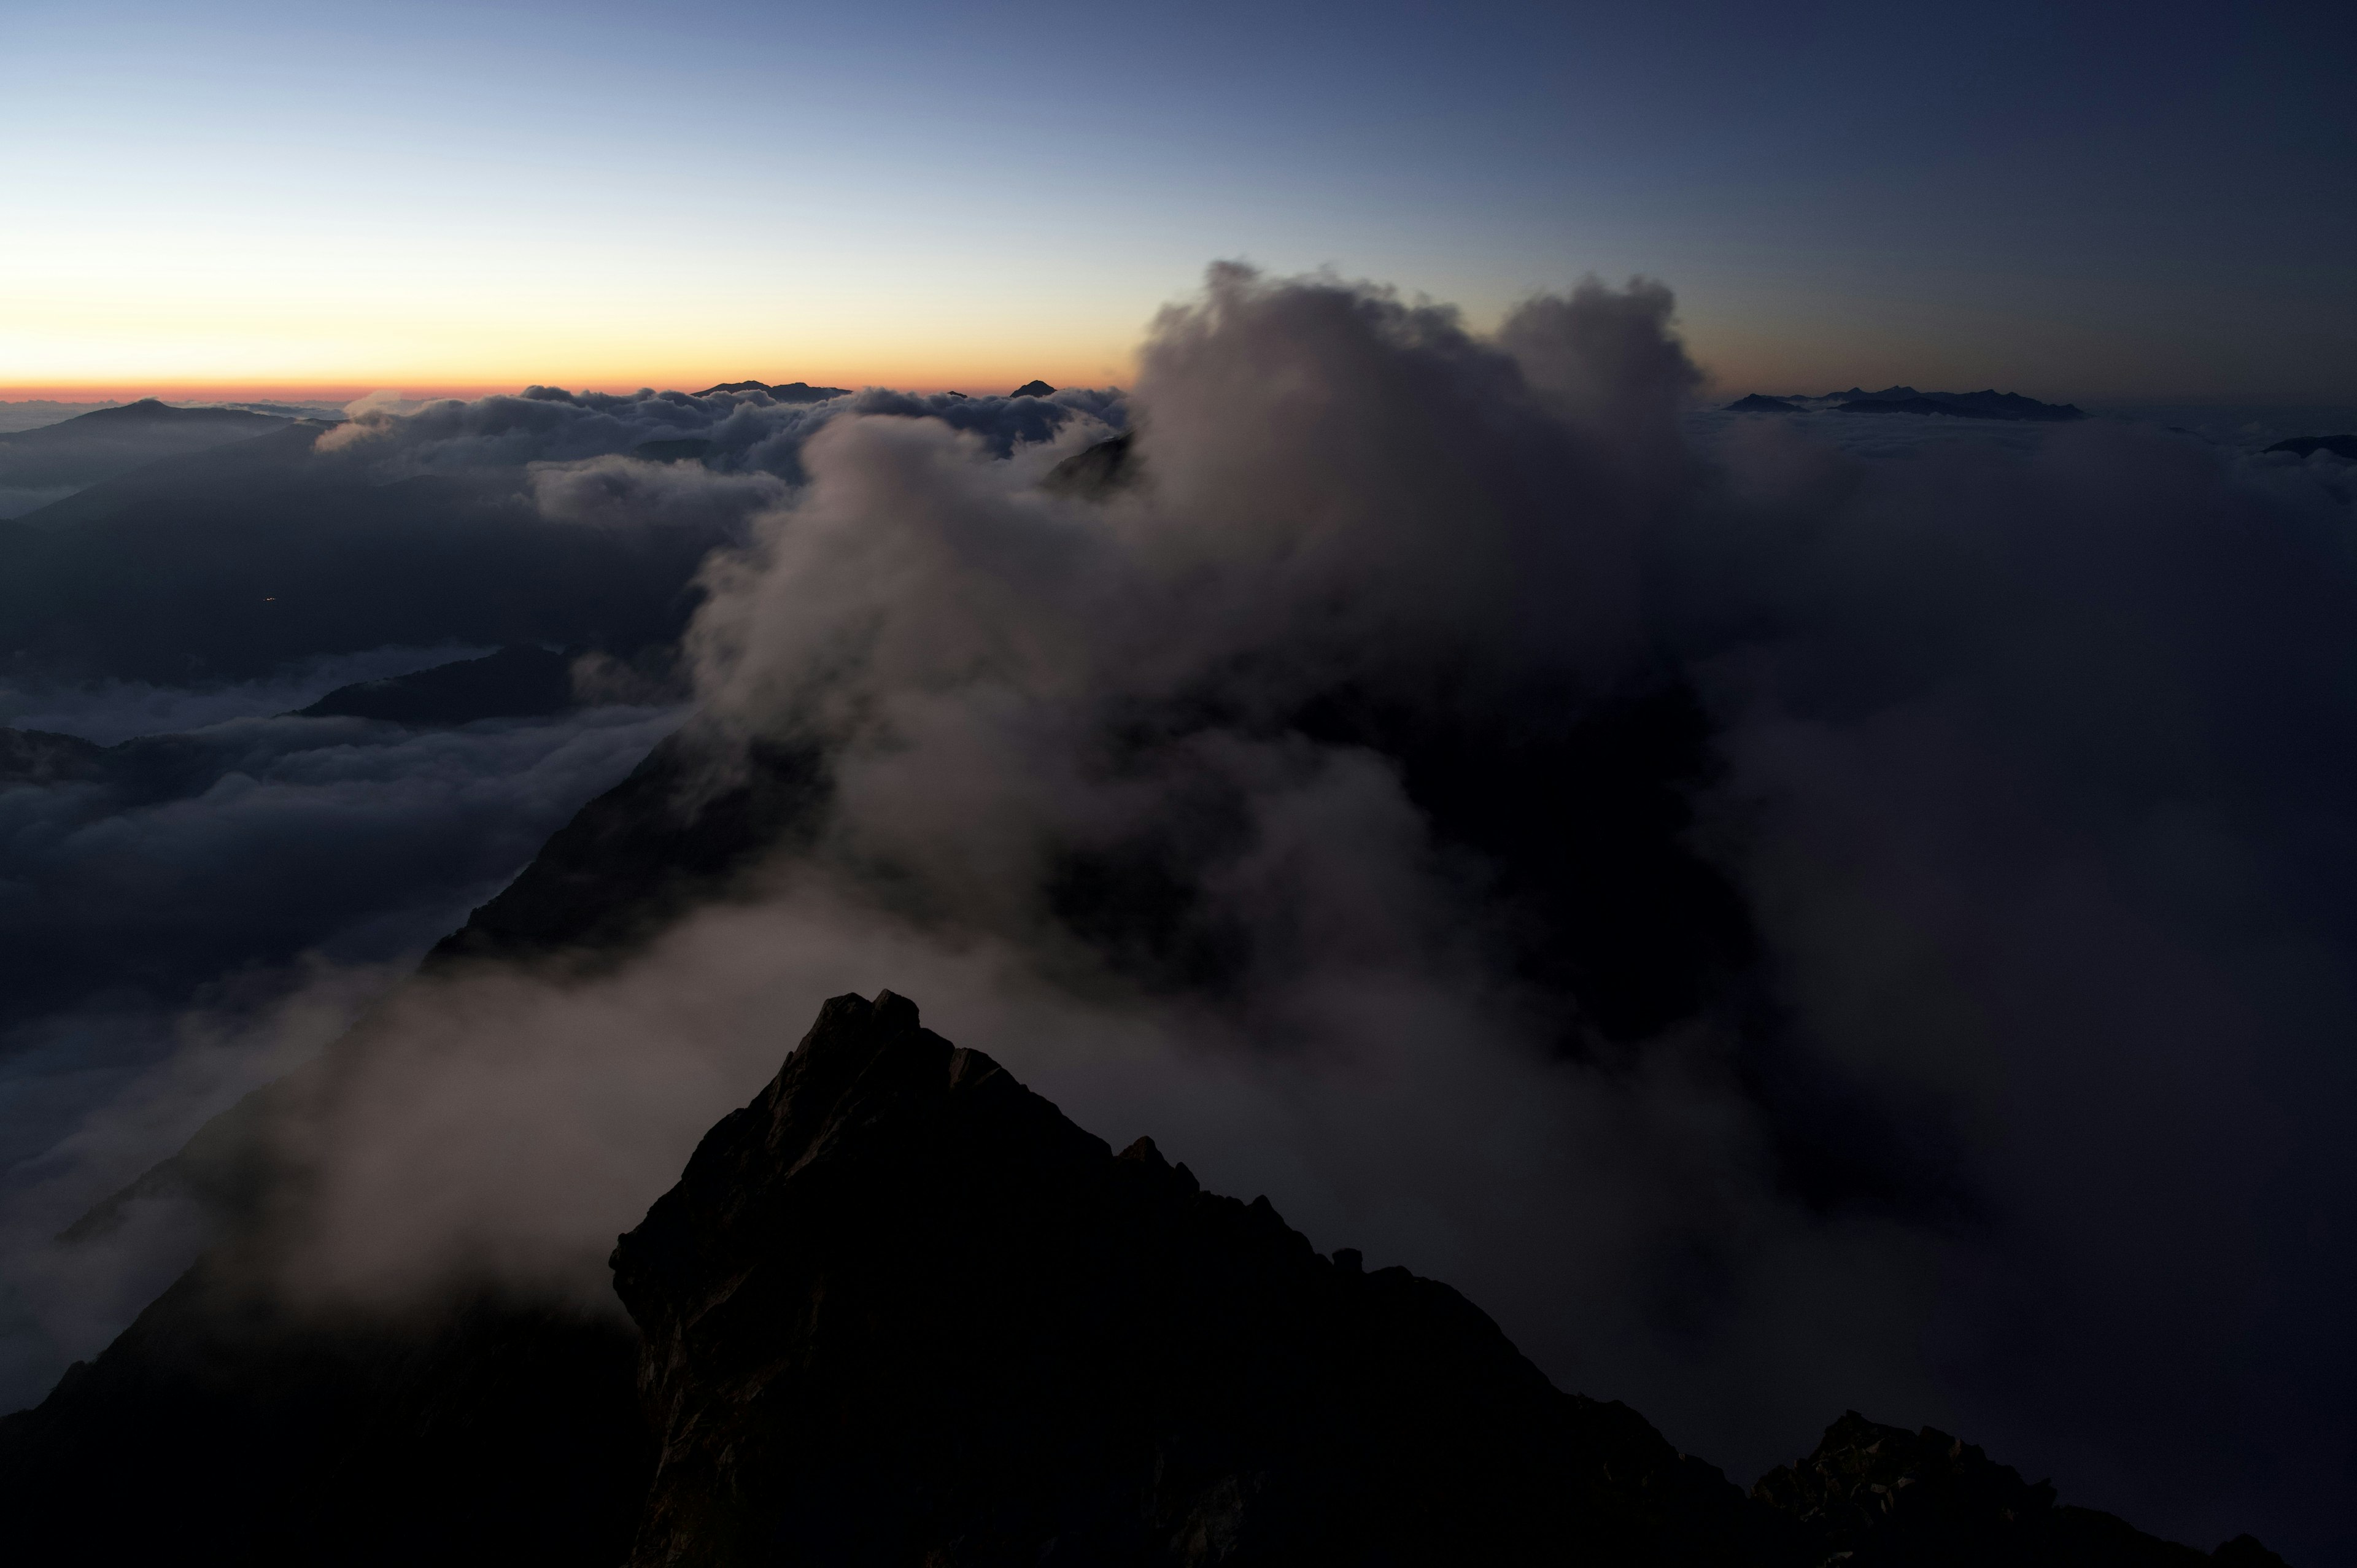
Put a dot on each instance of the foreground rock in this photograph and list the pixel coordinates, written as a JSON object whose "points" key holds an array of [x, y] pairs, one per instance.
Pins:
{"points": [[1873, 1496], [900, 1310]]}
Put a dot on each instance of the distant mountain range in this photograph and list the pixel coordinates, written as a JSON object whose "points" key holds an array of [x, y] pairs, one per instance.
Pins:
{"points": [[1987, 404], [802, 392], [52, 461]]}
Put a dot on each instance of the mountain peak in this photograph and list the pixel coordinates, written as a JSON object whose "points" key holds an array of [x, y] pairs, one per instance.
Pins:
{"points": [[900, 1304]]}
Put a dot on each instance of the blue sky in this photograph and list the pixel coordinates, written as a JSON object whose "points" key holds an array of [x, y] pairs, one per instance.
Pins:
{"points": [[2097, 202]]}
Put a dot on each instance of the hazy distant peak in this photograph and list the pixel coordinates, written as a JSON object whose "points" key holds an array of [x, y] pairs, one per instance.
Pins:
{"points": [[802, 392], [1033, 389], [155, 410], [783, 391]]}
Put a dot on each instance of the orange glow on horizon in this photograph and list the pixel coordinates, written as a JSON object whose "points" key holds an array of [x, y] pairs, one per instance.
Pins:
{"points": [[344, 392]]}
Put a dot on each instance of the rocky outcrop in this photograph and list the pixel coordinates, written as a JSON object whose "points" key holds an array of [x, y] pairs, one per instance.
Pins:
{"points": [[682, 829], [900, 1310], [1873, 1496]]}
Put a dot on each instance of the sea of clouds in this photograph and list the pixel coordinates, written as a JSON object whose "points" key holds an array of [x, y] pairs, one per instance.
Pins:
{"points": [[2031, 762]]}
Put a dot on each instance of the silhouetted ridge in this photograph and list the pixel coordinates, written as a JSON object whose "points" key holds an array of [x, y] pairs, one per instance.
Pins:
{"points": [[1985, 404], [518, 682], [1097, 471], [785, 391], [1882, 1497], [900, 1310], [682, 828], [1033, 389], [39, 756], [42, 465]]}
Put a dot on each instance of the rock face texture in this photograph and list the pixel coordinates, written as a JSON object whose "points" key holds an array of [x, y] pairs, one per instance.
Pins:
{"points": [[900, 1310]]}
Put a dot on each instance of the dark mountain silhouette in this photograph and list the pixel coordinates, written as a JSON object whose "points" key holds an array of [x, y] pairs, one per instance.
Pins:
{"points": [[2301, 446], [786, 392], [898, 1310], [678, 832], [1882, 1497], [224, 1427], [228, 563], [1096, 472], [42, 465], [518, 682], [1061, 1355], [1033, 389], [1989, 404], [1986, 404], [39, 756]]}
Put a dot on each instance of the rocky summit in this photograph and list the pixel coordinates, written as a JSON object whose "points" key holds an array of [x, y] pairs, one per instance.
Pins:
{"points": [[900, 1311]]}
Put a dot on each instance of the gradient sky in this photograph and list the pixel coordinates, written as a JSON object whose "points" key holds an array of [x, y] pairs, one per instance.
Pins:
{"points": [[2098, 202]]}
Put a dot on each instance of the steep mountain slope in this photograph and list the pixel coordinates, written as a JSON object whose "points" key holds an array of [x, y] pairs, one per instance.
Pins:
{"points": [[518, 682], [899, 1310]]}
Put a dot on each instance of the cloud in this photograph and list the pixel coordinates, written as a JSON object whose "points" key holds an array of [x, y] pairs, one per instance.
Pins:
{"points": [[744, 433], [109, 712], [197, 913], [1783, 927], [1126, 794]]}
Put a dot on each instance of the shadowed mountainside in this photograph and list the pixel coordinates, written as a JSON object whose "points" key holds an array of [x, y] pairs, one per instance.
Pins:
{"points": [[1062, 1355], [43, 464], [898, 1310], [518, 682]]}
